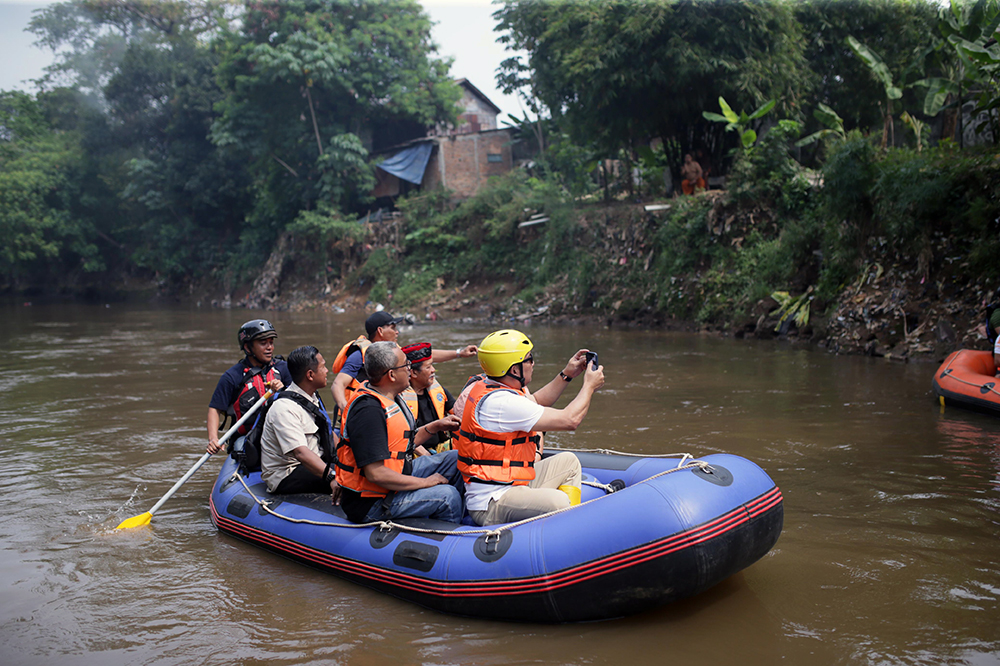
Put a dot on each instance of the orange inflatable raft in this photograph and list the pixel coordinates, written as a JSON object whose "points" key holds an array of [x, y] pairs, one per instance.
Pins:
{"points": [[966, 378]]}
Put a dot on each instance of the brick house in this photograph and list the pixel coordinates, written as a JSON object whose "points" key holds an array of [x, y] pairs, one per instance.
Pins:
{"points": [[458, 158]]}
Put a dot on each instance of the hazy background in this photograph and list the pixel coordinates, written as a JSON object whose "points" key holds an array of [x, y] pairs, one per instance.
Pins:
{"points": [[463, 30]]}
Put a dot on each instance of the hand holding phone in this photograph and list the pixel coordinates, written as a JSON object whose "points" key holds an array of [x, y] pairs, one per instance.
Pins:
{"points": [[592, 358]]}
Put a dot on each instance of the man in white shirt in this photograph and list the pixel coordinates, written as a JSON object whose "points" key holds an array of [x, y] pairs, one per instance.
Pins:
{"points": [[499, 443], [296, 447]]}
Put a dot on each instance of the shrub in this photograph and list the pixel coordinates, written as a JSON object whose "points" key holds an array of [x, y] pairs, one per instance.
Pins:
{"points": [[769, 175]]}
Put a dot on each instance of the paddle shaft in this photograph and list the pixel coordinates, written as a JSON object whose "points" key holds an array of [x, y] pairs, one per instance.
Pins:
{"points": [[204, 458]]}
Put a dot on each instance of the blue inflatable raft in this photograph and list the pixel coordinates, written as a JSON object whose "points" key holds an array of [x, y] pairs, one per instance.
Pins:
{"points": [[679, 526]]}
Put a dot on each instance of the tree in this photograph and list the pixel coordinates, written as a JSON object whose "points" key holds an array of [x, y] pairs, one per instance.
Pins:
{"points": [[622, 72], [157, 189], [91, 37], [896, 29], [39, 183], [312, 87], [968, 63], [739, 122], [881, 72]]}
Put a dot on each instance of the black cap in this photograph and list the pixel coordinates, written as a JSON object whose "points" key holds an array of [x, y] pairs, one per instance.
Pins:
{"points": [[378, 320]]}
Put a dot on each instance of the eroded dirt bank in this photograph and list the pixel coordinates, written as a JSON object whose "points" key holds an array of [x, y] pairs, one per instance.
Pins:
{"points": [[911, 310]]}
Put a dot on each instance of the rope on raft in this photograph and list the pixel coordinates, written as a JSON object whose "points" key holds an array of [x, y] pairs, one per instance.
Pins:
{"points": [[978, 386], [612, 452], [387, 525], [949, 374]]}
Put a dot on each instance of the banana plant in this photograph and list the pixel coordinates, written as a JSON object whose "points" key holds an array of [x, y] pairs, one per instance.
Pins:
{"points": [[969, 31], [740, 123], [915, 124], [881, 72], [833, 122]]}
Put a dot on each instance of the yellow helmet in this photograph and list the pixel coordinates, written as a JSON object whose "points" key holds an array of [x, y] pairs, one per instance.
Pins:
{"points": [[502, 349]]}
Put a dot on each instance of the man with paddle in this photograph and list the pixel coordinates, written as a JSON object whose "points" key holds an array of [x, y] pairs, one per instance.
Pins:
{"points": [[298, 447], [243, 384]]}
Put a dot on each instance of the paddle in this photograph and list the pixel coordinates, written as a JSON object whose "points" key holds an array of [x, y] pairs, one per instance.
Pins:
{"points": [[144, 518]]}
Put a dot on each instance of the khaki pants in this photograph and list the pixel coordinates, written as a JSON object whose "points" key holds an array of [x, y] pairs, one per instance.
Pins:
{"points": [[540, 496]]}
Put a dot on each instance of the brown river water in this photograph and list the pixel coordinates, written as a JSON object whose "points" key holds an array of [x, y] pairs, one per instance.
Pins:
{"points": [[889, 553]]}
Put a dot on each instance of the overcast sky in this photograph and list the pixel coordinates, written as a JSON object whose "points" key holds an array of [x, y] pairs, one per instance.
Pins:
{"points": [[463, 30]]}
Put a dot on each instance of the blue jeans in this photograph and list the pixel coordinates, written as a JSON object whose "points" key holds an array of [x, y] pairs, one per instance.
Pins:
{"points": [[442, 502]]}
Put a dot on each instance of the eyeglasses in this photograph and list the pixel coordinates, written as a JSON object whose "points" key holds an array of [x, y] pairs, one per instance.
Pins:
{"points": [[405, 365], [530, 358]]}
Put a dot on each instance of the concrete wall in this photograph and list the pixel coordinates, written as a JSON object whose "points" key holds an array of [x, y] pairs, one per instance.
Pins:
{"points": [[462, 163]]}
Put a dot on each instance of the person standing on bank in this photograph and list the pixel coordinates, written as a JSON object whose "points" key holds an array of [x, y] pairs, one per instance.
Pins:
{"points": [[296, 445], [427, 399], [376, 468], [499, 451], [244, 383], [349, 364]]}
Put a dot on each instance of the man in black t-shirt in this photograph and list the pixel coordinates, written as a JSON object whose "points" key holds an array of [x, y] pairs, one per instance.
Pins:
{"points": [[241, 385], [376, 468]]}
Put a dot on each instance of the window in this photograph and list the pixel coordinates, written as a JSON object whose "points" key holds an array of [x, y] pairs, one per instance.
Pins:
{"points": [[494, 157]]}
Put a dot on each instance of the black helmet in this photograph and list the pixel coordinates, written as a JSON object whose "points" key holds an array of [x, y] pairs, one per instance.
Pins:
{"points": [[256, 329]]}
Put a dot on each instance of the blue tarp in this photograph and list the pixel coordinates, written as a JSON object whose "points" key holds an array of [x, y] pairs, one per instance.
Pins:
{"points": [[409, 164]]}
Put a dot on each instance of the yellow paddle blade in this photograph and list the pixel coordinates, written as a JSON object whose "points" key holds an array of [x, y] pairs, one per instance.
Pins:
{"points": [[135, 521]]}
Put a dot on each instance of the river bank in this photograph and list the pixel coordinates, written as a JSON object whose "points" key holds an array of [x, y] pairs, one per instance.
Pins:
{"points": [[900, 312], [888, 254], [884, 253]]}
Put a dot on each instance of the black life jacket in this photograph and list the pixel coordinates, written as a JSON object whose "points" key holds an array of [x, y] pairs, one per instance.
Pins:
{"points": [[246, 452], [252, 388]]}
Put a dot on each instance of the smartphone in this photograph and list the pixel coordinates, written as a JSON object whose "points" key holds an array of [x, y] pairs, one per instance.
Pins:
{"points": [[592, 358]]}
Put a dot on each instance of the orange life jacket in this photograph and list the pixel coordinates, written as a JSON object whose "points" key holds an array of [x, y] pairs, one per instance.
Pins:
{"points": [[503, 458], [438, 397], [400, 429], [361, 344]]}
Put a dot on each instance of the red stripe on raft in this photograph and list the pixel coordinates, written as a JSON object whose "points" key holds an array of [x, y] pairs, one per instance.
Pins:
{"points": [[452, 589]]}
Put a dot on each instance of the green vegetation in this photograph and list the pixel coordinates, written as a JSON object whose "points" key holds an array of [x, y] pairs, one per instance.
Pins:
{"points": [[179, 141], [44, 228], [176, 140]]}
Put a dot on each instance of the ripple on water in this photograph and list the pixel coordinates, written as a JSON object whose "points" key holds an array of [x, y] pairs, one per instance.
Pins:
{"points": [[887, 557]]}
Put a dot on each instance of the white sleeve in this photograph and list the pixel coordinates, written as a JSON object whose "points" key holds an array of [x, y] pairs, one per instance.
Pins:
{"points": [[505, 411], [996, 346]]}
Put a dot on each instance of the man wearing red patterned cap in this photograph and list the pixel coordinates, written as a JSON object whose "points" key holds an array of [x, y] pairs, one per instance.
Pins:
{"points": [[426, 398]]}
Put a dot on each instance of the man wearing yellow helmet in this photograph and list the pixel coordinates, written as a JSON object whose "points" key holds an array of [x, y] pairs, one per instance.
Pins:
{"points": [[499, 443]]}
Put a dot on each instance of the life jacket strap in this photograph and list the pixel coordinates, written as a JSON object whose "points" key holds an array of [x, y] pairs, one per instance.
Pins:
{"points": [[498, 442], [495, 463]]}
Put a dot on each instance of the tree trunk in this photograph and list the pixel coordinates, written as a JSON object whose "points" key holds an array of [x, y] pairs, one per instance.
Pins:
{"points": [[312, 112], [950, 121]]}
